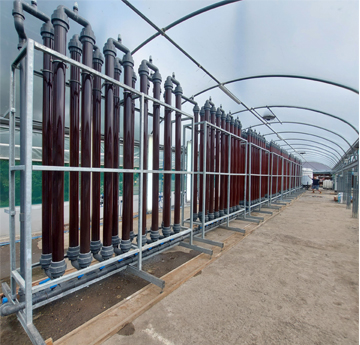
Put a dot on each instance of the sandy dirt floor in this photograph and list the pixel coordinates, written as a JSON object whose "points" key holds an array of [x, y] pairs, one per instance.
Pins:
{"points": [[294, 280]]}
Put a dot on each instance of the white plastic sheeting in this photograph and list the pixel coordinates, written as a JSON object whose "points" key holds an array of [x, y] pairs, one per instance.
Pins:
{"points": [[318, 39]]}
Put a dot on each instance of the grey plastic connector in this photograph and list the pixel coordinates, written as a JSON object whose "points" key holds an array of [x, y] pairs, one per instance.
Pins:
{"points": [[107, 252], [57, 269], [95, 246], [176, 228], [207, 105], [9, 308], [166, 231], [223, 115], [47, 30], [178, 90], [115, 241], [228, 118], [221, 213], [143, 68], [73, 253], [59, 17], [117, 65], [132, 236], [84, 259], [200, 215], [134, 77], [232, 122], [211, 216], [216, 214], [168, 83], [195, 217], [109, 48], [154, 235], [206, 218], [125, 245], [128, 60], [237, 207], [19, 18], [156, 77], [143, 238], [97, 56], [75, 44], [87, 35], [45, 261], [218, 112], [196, 108]]}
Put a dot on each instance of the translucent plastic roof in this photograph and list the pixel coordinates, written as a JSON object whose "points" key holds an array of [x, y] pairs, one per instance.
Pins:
{"points": [[317, 41]]}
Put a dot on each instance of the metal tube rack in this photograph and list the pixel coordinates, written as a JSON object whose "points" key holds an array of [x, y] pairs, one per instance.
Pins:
{"points": [[23, 277]]}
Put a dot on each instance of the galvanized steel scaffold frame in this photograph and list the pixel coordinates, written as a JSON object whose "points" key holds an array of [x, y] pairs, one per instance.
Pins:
{"points": [[293, 174], [212, 224], [22, 277]]}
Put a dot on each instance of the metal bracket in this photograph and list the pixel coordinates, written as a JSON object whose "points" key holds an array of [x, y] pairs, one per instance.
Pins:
{"points": [[17, 168], [205, 240], [261, 211], [31, 330], [197, 248], [147, 276], [248, 220], [255, 217], [271, 207], [232, 229], [11, 213], [19, 279]]}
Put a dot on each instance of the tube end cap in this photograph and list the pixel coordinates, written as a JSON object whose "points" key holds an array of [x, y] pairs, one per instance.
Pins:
{"points": [[107, 252], [57, 268], [45, 261], [84, 259], [176, 228], [125, 245], [143, 238], [166, 231], [115, 240], [154, 235], [73, 253], [95, 246]]}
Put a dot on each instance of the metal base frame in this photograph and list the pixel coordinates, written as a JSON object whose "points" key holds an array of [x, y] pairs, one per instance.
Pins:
{"points": [[197, 248], [232, 229]]}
